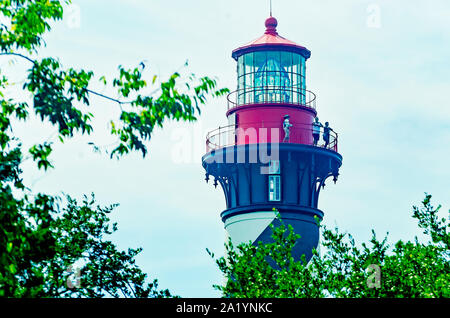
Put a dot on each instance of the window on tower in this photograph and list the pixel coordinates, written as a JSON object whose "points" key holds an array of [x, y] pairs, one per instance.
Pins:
{"points": [[274, 167], [274, 180], [274, 188]]}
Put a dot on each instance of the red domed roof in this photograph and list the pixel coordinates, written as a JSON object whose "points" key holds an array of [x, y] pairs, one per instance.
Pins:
{"points": [[270, 40]]}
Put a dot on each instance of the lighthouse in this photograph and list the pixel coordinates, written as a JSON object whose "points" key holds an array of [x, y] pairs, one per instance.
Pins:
{"points": [[274, 153]]}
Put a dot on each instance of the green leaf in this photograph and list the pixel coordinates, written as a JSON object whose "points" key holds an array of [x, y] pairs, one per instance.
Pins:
{"points": [[12, 268]]}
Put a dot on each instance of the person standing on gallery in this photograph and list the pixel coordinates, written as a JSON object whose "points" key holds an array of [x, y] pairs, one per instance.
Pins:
{"points": [[316, 125]]}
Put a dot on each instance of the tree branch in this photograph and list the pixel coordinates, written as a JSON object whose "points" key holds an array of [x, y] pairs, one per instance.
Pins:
{"points": [[88, 90], [131, 288], [19, 55]]}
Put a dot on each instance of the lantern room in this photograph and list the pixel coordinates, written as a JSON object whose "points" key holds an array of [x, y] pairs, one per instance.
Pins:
{"points": [[271, 69]]}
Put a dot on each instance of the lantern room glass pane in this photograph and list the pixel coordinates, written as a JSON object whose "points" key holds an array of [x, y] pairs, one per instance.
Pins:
{"points": [[240, 92], [270, 78], [241, 65], [296, 64], [259, 58], [248, 62], [286, 60], [240, 72]]}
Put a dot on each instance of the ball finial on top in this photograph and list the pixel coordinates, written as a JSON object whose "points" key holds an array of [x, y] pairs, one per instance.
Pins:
{"points": [[271, 25]]}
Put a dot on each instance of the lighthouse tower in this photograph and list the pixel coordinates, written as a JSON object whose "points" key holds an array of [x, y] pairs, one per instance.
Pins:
{"points": [[270, 154]]}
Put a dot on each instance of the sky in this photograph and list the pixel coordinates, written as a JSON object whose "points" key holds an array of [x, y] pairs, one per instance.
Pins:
{"points": [[380, 70]]}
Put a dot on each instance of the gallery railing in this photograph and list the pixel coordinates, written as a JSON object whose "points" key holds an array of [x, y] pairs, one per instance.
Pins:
{"points": [[247, 134], [271, 95]]}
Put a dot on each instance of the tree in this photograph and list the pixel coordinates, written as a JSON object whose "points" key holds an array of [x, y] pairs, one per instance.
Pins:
{"points": [[43, 237], [409, 269]]}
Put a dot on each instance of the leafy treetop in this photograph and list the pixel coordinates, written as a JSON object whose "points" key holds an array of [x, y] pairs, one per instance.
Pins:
{"points": [[43, 237]]}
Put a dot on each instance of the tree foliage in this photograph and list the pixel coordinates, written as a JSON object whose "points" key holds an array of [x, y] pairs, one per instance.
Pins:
{"points": [[44, 238], [375, 269]]}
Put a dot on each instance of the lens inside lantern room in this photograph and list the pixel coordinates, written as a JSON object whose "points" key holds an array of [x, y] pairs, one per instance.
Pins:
{"points": [[271, 77]]}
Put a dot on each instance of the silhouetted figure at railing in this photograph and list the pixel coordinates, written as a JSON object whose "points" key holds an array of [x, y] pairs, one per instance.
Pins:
{"points": [[326, 134], [316, 125], [286, 127]]}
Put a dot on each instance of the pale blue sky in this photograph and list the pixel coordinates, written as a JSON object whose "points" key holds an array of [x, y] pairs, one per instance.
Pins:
{"points": [[385, 90]]}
